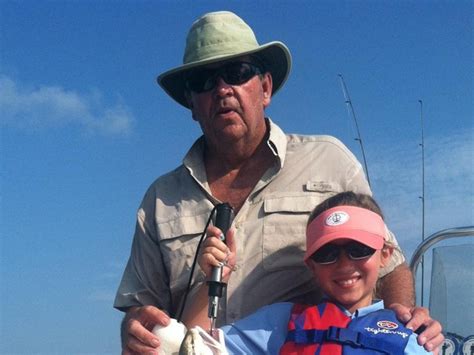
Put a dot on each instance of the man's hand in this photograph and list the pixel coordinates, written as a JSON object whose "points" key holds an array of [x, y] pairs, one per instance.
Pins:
{"points": [[137, 325], [418, 319]]}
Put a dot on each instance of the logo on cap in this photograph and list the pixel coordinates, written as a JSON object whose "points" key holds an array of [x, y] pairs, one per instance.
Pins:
{"points": [[337, 218]]}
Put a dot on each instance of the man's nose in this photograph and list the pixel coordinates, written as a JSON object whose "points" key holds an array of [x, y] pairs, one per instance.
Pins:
{"points": [[222, 88]]}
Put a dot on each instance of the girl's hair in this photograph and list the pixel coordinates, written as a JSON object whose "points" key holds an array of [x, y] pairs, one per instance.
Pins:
{"points": [[347, 198]]}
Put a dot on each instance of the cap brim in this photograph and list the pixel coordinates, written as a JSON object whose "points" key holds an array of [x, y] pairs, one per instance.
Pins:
{"points": [[371, 240], [275, 56]]}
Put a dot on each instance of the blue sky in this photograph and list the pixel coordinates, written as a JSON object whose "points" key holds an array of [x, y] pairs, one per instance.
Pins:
{"points": [[85, 130]]}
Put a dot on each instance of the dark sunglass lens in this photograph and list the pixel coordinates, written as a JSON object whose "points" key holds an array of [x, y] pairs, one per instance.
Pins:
{"points": [[196, 81], [209, 83], [359, 251], [326, 255], [239, 73], [233, 74]]}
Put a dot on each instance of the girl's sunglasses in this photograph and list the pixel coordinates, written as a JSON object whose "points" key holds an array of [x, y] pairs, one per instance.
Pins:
{"points": [[329, 253], [235, 73]]}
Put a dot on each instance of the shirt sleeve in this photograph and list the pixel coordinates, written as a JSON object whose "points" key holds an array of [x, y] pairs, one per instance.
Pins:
{"points": [[144, 281], [263, 332]]}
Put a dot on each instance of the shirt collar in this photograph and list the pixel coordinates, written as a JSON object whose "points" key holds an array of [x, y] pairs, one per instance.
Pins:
{"points": [[194, 161], [360, 312], [375, 306], [277, 141], [194, 158]]}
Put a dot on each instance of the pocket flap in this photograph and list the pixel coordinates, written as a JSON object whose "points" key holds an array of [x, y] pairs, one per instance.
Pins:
{"points": [[291, 202]]}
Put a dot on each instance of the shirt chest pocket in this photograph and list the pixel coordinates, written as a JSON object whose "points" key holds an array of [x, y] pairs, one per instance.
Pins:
{"points": [[284, 228], [179, 239]]}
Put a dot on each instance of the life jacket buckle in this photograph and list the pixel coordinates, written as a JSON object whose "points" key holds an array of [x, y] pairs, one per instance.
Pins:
{"points": [[343, 335]]}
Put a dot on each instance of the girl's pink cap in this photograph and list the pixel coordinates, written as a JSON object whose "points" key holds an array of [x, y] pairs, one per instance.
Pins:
{"points": [[345, 222]]}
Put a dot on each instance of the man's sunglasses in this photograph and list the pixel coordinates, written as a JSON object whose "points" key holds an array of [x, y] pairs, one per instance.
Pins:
{"points": [[235, 73], [329, 253]]}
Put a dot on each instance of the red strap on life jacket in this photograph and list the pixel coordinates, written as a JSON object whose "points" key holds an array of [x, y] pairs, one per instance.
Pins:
{"points": [[320, 317]]}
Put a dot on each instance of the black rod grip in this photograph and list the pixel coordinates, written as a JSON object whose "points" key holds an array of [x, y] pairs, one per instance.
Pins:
{"points": [[224, 215]]}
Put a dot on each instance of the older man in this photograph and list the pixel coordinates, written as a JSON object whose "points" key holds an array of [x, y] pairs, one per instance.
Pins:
{"points": [[271, 180]]}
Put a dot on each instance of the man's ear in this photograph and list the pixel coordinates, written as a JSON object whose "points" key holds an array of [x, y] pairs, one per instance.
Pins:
{"points": [[189, 100], [267, 86]]}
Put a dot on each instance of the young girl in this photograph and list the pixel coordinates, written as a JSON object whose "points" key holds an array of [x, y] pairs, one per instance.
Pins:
{"points": [[345, 249]]}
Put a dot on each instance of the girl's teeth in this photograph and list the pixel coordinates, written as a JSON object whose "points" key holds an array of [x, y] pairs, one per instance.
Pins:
{"points": [[347, 282]]}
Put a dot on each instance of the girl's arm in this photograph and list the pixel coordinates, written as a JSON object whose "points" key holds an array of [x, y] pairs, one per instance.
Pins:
{"points": [[214, 253]]}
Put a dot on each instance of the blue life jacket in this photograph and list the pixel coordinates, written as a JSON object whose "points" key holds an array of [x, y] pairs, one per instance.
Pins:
{"points": [[326, 330]]}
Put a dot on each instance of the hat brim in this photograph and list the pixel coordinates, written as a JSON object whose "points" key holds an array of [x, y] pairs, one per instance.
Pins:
{"points": [[274, 55]]}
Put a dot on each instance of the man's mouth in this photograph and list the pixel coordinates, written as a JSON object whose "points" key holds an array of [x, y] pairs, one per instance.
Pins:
{"points": [[223, 111]]}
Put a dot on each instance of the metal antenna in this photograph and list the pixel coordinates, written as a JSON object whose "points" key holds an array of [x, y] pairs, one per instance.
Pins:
{"points": [[422, 197], [350, 109]]}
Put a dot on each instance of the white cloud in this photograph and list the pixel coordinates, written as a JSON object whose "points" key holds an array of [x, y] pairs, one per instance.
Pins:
{"points": [[53, 106]]}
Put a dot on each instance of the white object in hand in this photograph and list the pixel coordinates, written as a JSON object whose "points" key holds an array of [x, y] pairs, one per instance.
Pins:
{"points": [[170, 337]]}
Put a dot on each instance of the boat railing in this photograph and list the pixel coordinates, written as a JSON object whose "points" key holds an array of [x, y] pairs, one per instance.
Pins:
{"points": [[444, 234], [451, 285]]}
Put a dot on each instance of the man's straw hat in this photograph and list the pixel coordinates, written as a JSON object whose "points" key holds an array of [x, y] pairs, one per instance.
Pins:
{"points": [[220, 36]]}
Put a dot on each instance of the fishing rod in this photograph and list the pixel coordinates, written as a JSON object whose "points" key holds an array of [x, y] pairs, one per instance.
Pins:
{"points": [[422, 197], [350, 109]]}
